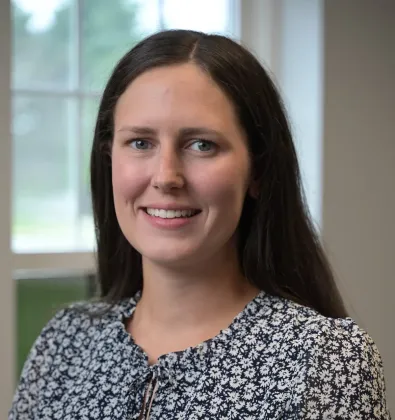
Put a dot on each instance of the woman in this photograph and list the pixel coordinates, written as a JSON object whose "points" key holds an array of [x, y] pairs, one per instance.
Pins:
{"points": [[217, 301]]}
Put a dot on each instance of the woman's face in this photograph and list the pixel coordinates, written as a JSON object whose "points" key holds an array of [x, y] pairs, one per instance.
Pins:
{"points": [[180, 166]]}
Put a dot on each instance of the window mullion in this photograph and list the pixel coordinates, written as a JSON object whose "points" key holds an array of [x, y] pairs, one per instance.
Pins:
{"points": [[55, 262]]}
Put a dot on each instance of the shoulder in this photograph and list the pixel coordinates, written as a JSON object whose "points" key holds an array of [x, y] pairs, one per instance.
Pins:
{"points": [[303, 323], [338, 344], [303, 335], [71, 331], [77, 324], [336, 365], [320, 345]]}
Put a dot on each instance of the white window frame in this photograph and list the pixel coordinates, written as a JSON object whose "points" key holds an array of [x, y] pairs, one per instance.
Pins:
{"points": [[74, 259], [80, 260], [7, 303]]}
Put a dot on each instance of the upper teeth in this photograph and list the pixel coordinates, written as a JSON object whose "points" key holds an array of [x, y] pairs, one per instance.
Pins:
{"points": [[170, 214]]}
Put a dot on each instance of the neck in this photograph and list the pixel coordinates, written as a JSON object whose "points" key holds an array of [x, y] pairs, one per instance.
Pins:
{"points": [[181, 299]]}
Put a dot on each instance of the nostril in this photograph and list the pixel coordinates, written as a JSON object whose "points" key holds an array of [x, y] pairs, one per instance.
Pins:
{"points": [[167, 181]]}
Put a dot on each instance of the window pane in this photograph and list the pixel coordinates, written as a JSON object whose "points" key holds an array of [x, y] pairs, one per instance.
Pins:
{"points": [[38, 300], [52, 127], [127, 22], [43, 192], [110, 28], [42, 44], [88, 120], [199, 15]]}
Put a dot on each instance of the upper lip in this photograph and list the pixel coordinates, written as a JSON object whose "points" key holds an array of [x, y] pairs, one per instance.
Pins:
{"points": [[169, 207]]}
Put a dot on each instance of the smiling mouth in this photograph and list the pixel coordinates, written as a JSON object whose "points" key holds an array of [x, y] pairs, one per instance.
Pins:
{"points": [[171, 214]]}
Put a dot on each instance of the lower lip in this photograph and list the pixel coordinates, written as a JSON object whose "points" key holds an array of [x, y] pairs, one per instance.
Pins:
{"points": [[175, 223]]}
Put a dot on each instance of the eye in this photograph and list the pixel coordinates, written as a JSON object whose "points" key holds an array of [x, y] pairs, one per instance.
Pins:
{"points": [[203, 146], [140, 144]]}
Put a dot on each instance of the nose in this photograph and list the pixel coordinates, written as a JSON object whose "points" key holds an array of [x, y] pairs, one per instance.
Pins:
{"points": [[168, 174]]}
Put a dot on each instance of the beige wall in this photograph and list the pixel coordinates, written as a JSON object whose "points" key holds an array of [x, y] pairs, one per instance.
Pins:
{"points": [[359, 163], [6, 290]]}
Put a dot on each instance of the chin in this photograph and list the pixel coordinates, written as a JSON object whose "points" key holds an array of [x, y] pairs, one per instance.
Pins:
{"points": [[177, 259], [171, 258]]}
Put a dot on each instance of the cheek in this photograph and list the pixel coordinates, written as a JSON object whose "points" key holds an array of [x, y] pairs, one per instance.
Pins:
{"points": [[127, 180], [224, 187]]}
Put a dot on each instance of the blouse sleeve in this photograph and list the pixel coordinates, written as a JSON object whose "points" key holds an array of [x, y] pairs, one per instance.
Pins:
{"points": [[342, 378], [34, 372]]}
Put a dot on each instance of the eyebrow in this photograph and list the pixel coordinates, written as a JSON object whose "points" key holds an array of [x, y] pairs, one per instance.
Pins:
{"points": [[187, 131]]}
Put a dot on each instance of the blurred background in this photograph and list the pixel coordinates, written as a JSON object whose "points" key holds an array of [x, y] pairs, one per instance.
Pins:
{"points": [[334, 62]]}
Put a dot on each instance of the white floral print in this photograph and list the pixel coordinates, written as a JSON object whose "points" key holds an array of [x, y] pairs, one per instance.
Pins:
{"points": [[277, 360]]}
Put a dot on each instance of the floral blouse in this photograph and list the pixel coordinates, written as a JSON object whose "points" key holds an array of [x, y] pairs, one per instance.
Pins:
{"points": [[277, 360]]}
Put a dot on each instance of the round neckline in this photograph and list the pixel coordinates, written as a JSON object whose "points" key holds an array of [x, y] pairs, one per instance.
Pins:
{"points": [[194, 357]]}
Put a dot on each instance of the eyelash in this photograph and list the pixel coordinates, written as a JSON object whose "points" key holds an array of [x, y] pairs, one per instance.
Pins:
{"points": [[208, 142]]}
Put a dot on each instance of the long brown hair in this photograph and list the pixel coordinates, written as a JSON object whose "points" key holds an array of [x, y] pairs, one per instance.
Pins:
{"points": [[279, 249]]}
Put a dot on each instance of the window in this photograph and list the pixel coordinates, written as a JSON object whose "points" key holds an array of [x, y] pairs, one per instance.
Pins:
{"points": [[63, 52]]}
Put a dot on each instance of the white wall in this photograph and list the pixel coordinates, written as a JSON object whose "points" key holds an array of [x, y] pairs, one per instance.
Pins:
{"points": [[287, 37], [359, 163], [298, 69], [6, 286]]}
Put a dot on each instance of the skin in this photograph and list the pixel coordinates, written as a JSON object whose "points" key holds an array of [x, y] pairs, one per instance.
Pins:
{"points": [[177, 141]]}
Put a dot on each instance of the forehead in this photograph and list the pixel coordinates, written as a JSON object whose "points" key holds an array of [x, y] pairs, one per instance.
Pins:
{"points": [[182, 92]]}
